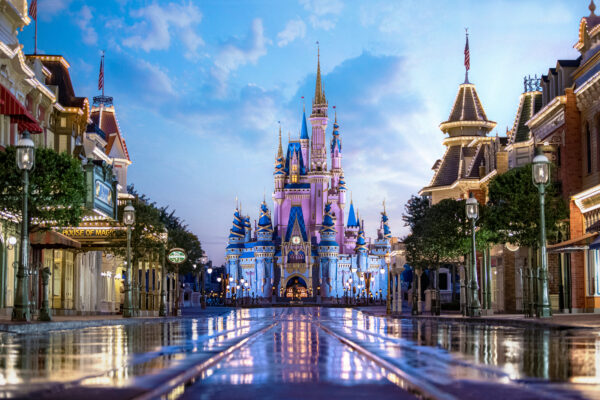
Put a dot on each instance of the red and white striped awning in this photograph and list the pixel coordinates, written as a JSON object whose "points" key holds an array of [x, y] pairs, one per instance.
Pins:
{"points": [[9, 105]]}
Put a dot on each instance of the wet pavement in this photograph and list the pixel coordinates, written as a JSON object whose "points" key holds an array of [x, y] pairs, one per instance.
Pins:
{"points": [[304, 353]]}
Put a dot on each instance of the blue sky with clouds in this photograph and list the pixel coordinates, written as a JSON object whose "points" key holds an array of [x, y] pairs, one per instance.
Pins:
{"points": [[199, 86]]}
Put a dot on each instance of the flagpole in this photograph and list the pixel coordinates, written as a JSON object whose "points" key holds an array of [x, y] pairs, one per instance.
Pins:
{"points": [[35, 45]]}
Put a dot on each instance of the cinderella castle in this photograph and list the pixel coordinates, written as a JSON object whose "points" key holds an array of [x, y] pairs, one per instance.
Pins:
{"points": [[303, 252]]}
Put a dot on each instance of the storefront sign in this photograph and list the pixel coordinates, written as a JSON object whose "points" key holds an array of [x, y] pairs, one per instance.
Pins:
{"points": [[91, 233], [176, 256], [104, 193]]}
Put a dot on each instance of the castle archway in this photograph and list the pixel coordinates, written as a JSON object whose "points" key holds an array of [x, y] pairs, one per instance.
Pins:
{"points": [[296, 288]]}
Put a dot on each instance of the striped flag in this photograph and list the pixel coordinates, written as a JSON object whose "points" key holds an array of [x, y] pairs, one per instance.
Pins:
{"points": [[467, 55], [101, 75], [33, 10]]}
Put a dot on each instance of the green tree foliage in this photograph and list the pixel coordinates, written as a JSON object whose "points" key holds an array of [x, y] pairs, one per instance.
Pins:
{"points": [[149, 226], [514, 208], [56, 187]]}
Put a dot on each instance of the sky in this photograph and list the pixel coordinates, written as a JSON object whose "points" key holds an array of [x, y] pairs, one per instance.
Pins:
{"points": [[200, 86]]}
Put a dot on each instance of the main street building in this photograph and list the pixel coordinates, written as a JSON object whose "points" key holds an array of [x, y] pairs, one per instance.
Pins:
{"points": [[304, 251]]}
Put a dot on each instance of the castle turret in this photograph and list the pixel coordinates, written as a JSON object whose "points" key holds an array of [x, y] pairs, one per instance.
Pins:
{"points": [[304, 139], [361, 249], [328, 252], [235, 247], [279, 177], [264, 250]]}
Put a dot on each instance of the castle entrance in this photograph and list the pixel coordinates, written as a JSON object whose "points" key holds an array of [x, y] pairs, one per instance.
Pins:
{"points": [[296, 289]]}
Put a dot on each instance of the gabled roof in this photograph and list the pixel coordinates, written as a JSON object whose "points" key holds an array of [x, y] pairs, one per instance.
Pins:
{"points": [[467, 109], [106, 120], [296, 216]]}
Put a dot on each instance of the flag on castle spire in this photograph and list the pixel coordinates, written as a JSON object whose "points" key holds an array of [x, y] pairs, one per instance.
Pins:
{"points": [[33, 10], [467, 57]]}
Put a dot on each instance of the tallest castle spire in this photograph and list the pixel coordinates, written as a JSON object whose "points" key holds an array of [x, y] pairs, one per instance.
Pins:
{"points": [[319, 93]]}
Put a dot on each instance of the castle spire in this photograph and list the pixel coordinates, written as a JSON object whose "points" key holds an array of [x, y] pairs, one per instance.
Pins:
{"points": [[319, 93], [467, 56], [280, 149]]}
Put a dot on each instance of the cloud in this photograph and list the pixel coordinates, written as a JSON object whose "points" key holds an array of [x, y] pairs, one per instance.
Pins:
{"points": [[47, 9], [294, 29], [236, 53], [323, 14], [154, 32], [83, 20]]}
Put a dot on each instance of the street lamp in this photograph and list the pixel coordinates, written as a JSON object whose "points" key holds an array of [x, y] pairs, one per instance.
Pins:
{"points": [[162, 310], [472, 210], [541, 177], [388, 304], [25, 161], [128, 220]]}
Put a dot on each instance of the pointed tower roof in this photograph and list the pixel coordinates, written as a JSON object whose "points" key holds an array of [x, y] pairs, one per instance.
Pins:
{"points": [[530, 103], [237, 229], [361, 243], [467, 111], [336, 141], [328, 224], [319, 93], [304, 131], [352, 220], [387, 233], [264, 222], [279, 161]]}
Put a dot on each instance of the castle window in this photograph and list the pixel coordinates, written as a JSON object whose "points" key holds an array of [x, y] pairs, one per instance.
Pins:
{"points": [[588, 142]]}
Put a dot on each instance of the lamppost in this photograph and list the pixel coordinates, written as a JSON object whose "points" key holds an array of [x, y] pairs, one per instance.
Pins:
{"points": [[474, 310], [25, 161], [388, 303], [203, 261], [162, 309], [541, 177], [128, 220]]}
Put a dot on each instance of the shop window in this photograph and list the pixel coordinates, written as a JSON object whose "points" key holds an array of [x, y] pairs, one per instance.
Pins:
{"points": [[443, 281], [56, 278], [593, 263]]}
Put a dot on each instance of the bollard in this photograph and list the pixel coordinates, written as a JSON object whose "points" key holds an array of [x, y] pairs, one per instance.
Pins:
{"points": [[45, 310]]}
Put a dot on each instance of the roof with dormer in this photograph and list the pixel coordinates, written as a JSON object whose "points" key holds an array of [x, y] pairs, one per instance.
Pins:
{"points": [[106, 119], [61, 78], [296, 217], [467, 110], [529, 104]]}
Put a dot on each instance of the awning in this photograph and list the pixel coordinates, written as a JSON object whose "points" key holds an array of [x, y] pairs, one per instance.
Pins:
{"points": [[578, 244], [52, 240], [9, 105]]}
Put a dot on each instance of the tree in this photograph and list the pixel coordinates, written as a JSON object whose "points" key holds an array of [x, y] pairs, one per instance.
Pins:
{"points": [[180, 236], [56, 187], [514, 208]]}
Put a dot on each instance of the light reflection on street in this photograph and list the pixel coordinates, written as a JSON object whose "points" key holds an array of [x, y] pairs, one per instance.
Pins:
{"points": [[296, 351]]}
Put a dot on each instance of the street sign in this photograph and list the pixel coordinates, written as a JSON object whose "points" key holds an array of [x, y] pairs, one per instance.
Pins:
{"points": [[176, 256]]}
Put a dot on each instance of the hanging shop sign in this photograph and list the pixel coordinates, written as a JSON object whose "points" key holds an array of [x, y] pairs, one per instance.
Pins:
{"points": [[176, 256]]}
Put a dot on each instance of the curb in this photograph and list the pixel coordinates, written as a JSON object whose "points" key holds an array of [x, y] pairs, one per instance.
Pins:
{"points": [[41, 327], [487, 321]]}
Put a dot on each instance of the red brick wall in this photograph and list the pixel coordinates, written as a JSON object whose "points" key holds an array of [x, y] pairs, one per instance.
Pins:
{"points": [[508, 260], [571, 163], [577, 258]]}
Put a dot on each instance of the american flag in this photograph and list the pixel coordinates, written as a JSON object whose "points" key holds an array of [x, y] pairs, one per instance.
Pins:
{"points": [[101, 75], [467, 55], [33, 10]]}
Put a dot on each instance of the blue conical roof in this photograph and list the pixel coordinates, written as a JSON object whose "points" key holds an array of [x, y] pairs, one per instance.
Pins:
{"points": [[352, 221], [361, 243], [304, 132], [387, 233], [238, 225], [264, 222], [328, 224]]}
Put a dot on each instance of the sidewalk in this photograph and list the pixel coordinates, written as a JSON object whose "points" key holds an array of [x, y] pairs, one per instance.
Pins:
{"points": [[558, 321], [62, 322]]}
